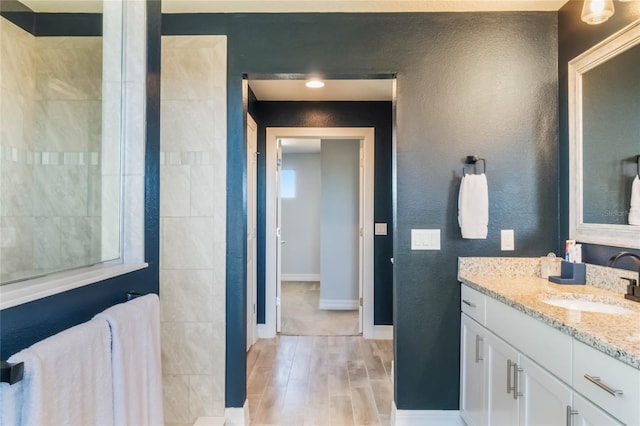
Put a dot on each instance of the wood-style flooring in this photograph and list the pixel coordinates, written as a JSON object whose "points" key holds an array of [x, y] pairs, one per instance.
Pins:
{"points": [[320, 381]]}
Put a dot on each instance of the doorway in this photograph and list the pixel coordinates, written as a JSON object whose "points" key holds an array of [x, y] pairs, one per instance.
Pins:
{"points": [[364, 300], [320, 221]]}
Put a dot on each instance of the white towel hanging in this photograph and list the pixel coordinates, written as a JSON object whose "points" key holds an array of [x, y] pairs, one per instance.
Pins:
{"points": [[634, 211], [473, 206]]}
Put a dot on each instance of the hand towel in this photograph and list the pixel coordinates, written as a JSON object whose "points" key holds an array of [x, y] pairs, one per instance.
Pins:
{"points": [[473, 206], [67, 378], [136, 365], [634, 211]]}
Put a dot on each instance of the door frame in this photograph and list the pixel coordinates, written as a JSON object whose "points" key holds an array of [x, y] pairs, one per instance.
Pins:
{"points": [[252, 213], [367, 136]]}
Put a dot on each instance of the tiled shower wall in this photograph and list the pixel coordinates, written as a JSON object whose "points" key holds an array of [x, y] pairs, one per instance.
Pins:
{"points": [[49, 152], [193, 226]]}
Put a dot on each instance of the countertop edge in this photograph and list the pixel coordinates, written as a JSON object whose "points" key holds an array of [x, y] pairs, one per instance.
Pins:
{"points": [[632, 360]]}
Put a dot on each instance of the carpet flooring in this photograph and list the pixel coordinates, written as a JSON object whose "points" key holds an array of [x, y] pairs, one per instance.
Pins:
{"points": [[301, 316]]}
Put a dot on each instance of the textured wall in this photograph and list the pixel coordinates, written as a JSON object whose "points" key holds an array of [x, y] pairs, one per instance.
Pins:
{"points": [[192, 212], [467, 83]]}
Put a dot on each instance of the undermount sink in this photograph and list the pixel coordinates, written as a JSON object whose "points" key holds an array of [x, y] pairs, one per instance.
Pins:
{"points": [[588, 306]]}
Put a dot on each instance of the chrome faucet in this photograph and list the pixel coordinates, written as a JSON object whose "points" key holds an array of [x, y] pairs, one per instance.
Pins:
{"points": [[633, 290]]}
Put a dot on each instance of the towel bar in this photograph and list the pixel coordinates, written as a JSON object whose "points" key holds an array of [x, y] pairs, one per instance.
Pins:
{"points": [[472, 160], [133, 294], [11, 373]]}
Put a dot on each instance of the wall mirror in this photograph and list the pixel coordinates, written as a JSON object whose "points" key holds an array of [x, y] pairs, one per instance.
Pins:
{"points": [[60, 136], [604, 136]]}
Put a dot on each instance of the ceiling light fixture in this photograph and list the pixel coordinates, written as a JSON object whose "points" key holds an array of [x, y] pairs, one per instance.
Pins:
{"points": [[314, 84], [597, 11]]}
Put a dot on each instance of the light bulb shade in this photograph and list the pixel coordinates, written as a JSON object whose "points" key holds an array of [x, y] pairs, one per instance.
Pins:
{"points": [[597, 11]]}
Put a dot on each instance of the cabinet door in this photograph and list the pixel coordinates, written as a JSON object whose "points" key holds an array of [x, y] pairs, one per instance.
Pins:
{"points": [[586, 414], [472, 373], [543, 398], [502, 406]]}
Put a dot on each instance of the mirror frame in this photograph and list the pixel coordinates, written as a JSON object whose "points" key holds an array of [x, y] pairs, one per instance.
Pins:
{"points": [[595, 233]]}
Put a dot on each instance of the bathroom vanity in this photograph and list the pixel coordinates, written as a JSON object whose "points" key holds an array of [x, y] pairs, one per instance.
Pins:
{"points": [[538, 353]]}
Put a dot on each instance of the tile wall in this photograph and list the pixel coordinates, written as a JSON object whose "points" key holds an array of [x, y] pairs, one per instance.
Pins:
{"points": [[193, 226], [50, 113]]}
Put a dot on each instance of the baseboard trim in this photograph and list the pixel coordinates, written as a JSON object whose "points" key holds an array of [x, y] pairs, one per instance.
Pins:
{"points": [[209, 421], [338, 304], [300, 277], [265, 332], [425, 417], [383, 332], [237, 416]]}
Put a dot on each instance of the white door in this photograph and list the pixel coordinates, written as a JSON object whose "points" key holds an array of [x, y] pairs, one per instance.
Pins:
{"points": [[279, 240], [544, 399], [473, 393], [502, 403], [252, 247]]}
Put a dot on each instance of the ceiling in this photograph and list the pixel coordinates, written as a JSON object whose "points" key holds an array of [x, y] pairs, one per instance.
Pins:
{"points": [[334, 90], [282, 6]]}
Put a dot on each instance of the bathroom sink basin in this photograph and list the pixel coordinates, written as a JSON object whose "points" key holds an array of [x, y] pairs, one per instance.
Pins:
{"points": [[588, 306]]}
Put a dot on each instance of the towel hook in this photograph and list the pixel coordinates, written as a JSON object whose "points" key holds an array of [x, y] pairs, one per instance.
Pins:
{"points": [[472, 160]]}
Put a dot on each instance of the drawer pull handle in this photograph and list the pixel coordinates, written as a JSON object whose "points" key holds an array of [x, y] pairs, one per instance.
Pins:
{"points": [[470, 304], [478, 344], [509, 364], [570, 413], [596, 381]]}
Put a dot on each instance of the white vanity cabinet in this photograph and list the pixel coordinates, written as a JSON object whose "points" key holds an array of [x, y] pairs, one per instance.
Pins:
{"points": [[500, 386], [472, 373], [516, 370]]}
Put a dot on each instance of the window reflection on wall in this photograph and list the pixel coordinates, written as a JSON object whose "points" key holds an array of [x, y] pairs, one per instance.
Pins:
{"points": [[59, 200]]}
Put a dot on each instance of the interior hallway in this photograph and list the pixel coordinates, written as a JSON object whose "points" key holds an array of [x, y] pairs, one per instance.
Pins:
{"points": [[320, 380]]}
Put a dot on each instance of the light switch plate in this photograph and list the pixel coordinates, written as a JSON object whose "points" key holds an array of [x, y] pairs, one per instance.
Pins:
{"points": [[380, 229], [507, 240], [425, 239]]}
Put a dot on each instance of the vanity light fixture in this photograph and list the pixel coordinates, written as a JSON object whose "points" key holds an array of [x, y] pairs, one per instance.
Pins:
{"points": [[597, 11], [314, 83]]}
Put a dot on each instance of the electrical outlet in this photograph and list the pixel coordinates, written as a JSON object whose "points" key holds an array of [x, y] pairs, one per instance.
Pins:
{"points": [[380, 229], [507, 240]]}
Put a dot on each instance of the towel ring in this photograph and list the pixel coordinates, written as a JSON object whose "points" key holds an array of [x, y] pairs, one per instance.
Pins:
{"points": [[472, 160]]}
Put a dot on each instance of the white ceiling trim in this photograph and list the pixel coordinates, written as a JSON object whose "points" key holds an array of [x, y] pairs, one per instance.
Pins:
{"points": [[297, 6]]}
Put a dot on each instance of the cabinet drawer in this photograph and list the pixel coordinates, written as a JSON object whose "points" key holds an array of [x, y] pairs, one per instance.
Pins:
{"points": [[472, 303], [545, 345], [612, 375]]}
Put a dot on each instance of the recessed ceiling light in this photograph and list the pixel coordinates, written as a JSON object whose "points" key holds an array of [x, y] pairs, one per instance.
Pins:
{"points": [[314, 84]]}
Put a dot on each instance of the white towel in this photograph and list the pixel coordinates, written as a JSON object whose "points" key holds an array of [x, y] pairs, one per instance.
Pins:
{"points": [[67, 378], [634, 211], [473, 206], [10, 402], [137, 375]]}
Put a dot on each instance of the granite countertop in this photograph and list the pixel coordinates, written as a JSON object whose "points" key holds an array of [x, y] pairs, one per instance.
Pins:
{"points": [[615, 335]]}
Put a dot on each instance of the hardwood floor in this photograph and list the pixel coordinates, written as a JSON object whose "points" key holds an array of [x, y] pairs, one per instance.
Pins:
{"points": [[320, 381]]}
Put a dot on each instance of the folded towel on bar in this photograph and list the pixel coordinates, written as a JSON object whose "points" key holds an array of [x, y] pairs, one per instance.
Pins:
{"points": [[67, 378], [473, 206], [634, 211], [136, 365]]}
